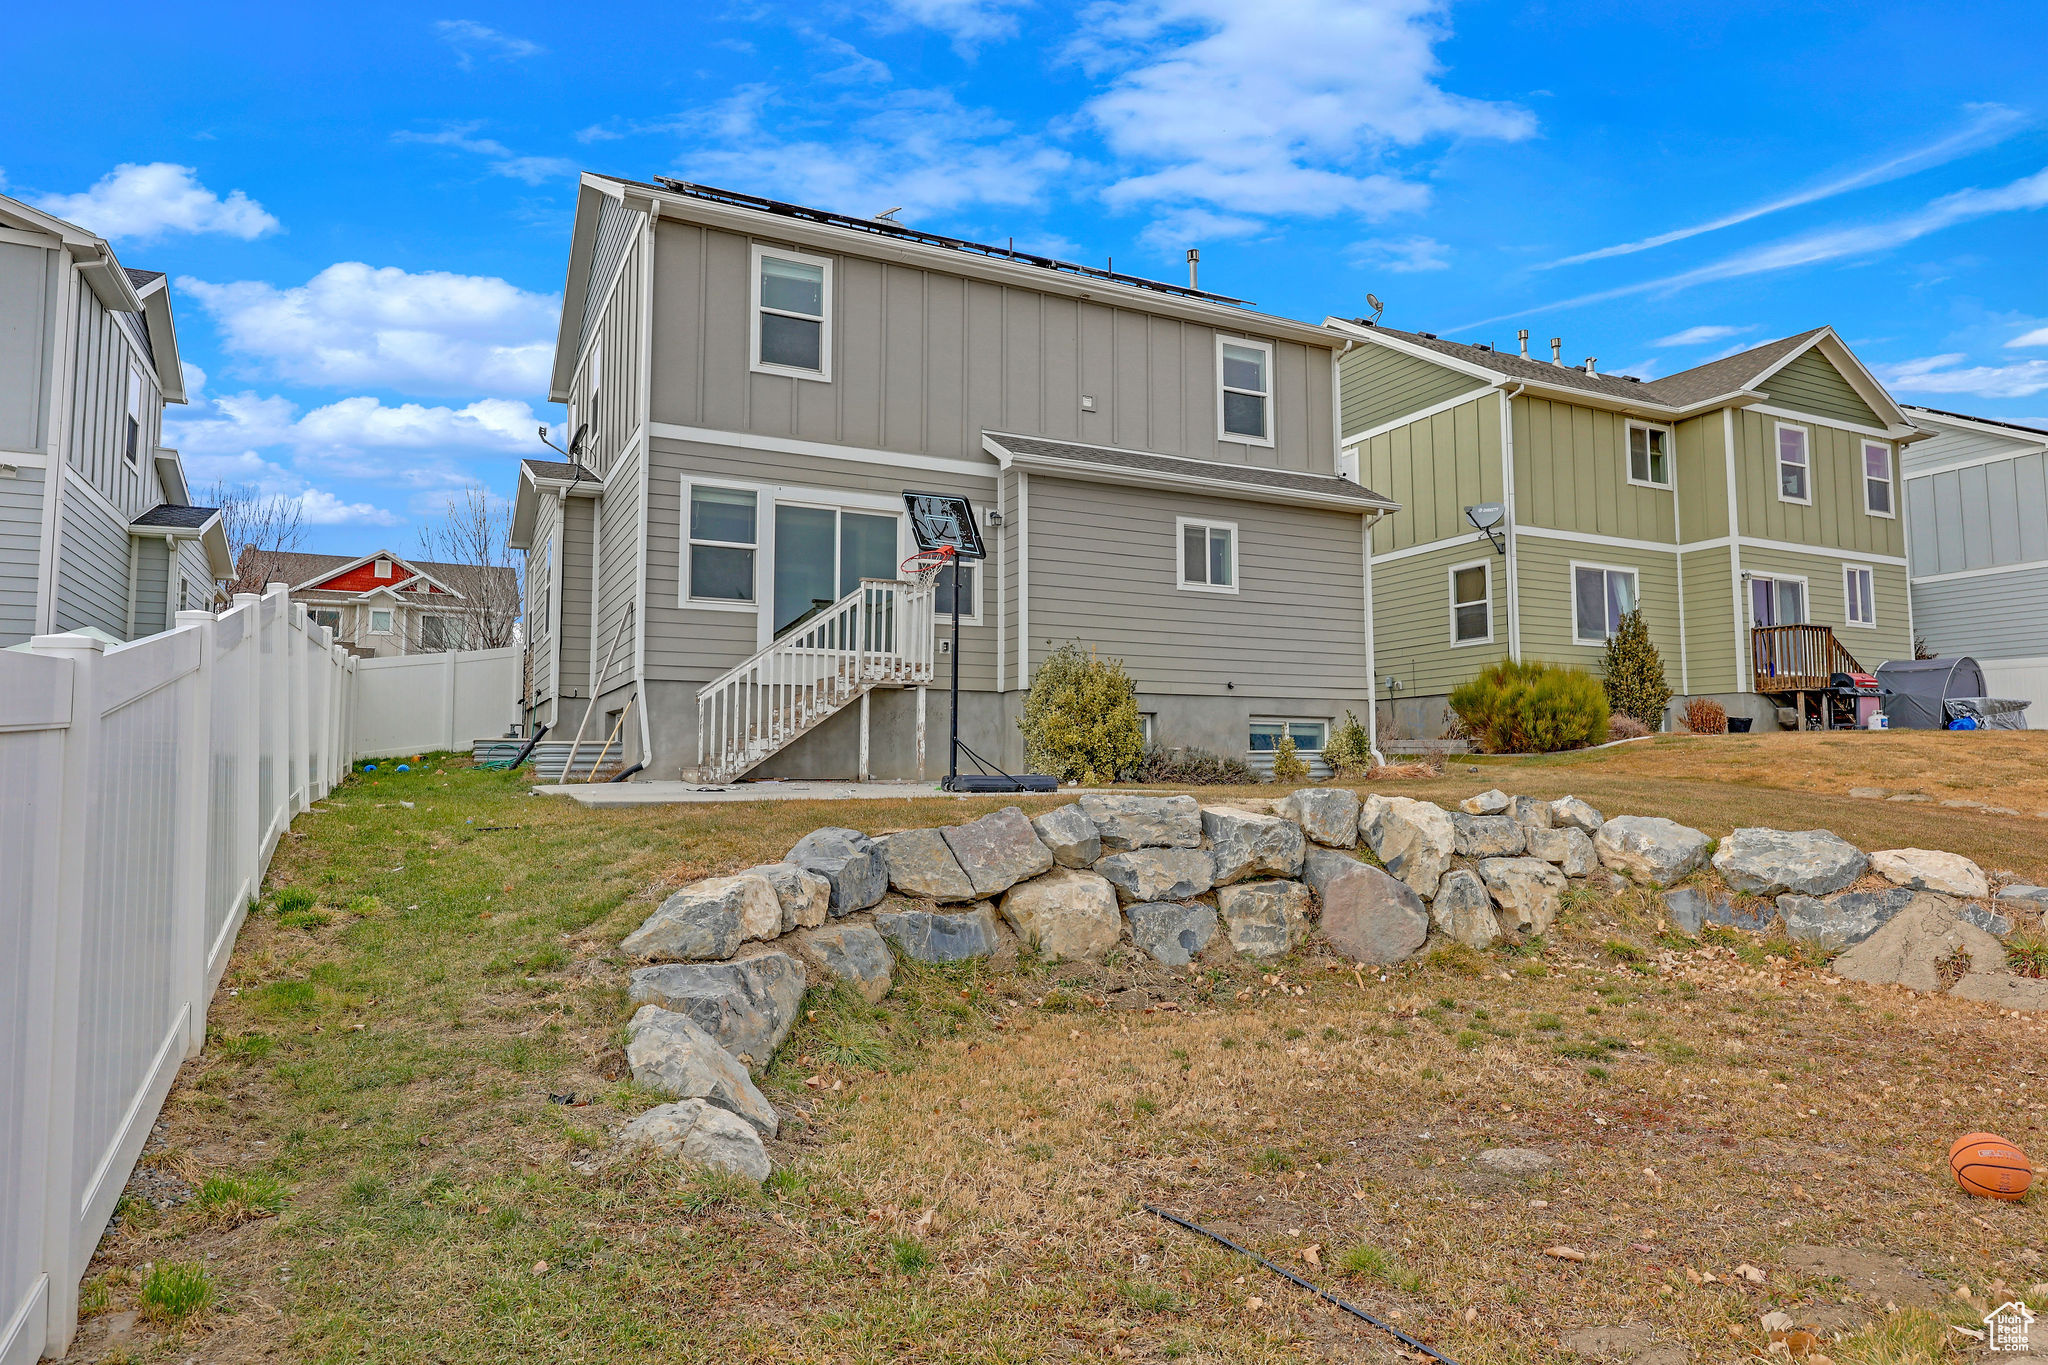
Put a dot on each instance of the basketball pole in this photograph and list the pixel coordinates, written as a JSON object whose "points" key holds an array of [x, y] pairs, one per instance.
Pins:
{"points": [[953, 749]]}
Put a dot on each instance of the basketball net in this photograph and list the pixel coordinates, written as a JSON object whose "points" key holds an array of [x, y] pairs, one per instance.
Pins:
{"points": [[922, 569]]}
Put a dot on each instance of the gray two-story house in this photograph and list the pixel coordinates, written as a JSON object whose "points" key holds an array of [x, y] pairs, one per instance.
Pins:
{"points": [[97, 528], [756, 385]]}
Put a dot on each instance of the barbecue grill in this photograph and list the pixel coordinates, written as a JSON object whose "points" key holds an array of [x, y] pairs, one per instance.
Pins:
{"points": [[1851, 700]]}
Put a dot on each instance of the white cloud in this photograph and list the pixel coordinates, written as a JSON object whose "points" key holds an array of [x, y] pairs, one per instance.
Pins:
{"points": [[2037, 337], [534, 170], [1401, 255], [1289, 107], [1951, 374], [471, 40], [321, 508], [1703, 335], [144, 202], [352, 435], [969, 23], [354, 325], [1991, 123]]}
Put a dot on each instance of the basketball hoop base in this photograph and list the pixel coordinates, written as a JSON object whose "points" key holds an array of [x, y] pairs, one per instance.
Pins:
{"points": [[1000, 782]]}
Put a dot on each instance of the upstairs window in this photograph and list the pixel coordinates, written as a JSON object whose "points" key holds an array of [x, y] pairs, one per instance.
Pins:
{"points": [[380, 620], [722, 534], [1858, 583], [383, 569], [1600, 598], [1208, 556], [792, 318], [1877, 480], [1244, 402], [1649, 456], [1794, 466], [1472, 603], [131, 441]]}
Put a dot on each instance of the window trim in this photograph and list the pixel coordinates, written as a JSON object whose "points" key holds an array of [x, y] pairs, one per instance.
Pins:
{"points": [[1451, 587], [133, 425], [942, 621], [1670, 455], [683, 585], [1180, 562], [1849, 572], [1572, 594], [1778, 460], [1326, 722], [1891, 476], [1750, 580], [1254, 344], [390, 626], [821, 375]]}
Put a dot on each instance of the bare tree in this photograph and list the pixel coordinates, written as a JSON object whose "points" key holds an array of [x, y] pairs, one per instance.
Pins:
{"points": [[261, 528], [470, 541]]}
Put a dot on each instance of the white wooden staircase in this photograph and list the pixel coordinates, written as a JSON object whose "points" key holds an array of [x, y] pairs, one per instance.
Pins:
{"points": [[879, 635]]}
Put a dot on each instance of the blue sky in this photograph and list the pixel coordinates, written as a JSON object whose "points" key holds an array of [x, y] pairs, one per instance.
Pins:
{"points": [[366, 210]]}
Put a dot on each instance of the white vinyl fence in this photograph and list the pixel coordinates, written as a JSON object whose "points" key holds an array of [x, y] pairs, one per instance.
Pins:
{"points": [[413, 703], [143, 788]]}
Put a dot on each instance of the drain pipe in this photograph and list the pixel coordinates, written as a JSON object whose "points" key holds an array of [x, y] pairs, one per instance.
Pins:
{"points": [[1507, 483]]}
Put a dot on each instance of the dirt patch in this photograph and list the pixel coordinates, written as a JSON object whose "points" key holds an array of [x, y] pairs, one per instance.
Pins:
{"points": [[1871, 1274]]}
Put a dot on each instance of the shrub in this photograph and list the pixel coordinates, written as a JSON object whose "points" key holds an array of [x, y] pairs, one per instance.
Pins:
{"points": [[1531, 708], [1634, 673], [1288, 765], [1193, 768], [1080, 718], [1705, 716], [1626, 727], [1348, 751]]}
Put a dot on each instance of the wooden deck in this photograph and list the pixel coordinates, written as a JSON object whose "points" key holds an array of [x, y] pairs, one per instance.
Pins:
{"points": [[1797, 658]]}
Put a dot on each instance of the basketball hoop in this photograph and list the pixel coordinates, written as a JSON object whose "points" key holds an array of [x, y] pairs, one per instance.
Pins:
{"points": [[923, 568]]}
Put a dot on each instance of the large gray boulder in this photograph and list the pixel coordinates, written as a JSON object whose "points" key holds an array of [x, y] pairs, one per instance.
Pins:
{"points": [[1128, 822], [922, 866], [1413, 839], [1528, 891], [708, 920], [1245, 844], [1070, 835], [1487, 836], [926, 936], [1328, 815], [1926, 869], [1492, 801], [1368, 916], [702, 1134], [1768, 862], [2023, 897], [998, 851], [1264, 919], [1464, 910], [1570, 850], [1530, 813], [1068, 914], [1159, 874], [1649, 848], [1842, 920], [2004, 990], [1687, 909], [748, 1005], [1570, 812], [1172, 933], [1906, 951], [805, 896], [671, 1056], [851, 861], [854, 953]]}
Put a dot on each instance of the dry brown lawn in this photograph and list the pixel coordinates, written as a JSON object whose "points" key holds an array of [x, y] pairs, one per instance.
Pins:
{"points": [[962, 1173]]}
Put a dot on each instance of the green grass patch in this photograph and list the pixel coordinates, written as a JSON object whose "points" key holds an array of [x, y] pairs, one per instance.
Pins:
{"points": [[176, 1291], [1368, 1262]]}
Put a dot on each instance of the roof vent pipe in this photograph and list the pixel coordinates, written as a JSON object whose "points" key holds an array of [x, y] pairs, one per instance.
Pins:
{"points": [[1557, 350], [1590, 361], [1194, 259], [1522, 335]]}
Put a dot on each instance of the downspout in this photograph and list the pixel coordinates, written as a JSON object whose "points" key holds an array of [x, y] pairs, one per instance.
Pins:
{"points": [[1742, 684], [643, 554], [1507, 481], [1372, 690]]}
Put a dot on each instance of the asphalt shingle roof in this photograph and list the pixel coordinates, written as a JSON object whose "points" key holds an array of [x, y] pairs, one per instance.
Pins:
{"points": [[558, 469], [1251, 476], [292, 566], [139, 278], [169, 517]]}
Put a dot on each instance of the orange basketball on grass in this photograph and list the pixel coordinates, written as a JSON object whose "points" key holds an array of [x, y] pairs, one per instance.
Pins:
{"points": [[1986, 1164]]}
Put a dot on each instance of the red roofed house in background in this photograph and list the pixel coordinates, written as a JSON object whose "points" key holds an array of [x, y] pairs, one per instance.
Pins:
{"points": [[382, 604]]}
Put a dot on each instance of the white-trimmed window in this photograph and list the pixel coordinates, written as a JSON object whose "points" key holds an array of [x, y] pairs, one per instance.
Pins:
{"points": [[1601, 595], [1649, 455], [380, 620], [1777, 601], [1795, 464], [1472, 603], [724, 527], [441, 632], [382, 569], [1208, 555], [1309, 736], [131, 440], [1859, 589], [329, 617], [1244, 390], [968, 576], [792, 320], [1878, 498]]}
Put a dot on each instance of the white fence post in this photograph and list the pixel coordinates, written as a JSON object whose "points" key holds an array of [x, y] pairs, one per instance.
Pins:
{"points": [[190, 845], [77, 813]]}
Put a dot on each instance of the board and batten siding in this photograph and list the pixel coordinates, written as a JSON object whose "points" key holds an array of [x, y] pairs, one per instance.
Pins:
{"points": [[1546, 597], [21, 536], [1571, 474], [1811, 383], [1104, 568], [1998, 616], [104, 353], [1827, 602], [92, 567], [1381, 385], [1836, 516], [1435, 468], [618, 577], [540, 585], [924, 361], [1411, 613], [153, 590], [574, 613], [1714, 659], [693, 643], [1979, 517], [1702, 474], [614, 416], [618, 229], [30, 301], [1957, 444]]}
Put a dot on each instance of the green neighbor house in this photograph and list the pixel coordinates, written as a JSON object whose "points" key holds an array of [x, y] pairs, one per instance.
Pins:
{"points": [[1750, 506]]}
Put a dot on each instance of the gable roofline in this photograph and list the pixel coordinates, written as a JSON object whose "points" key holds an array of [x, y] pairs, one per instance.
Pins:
{"points": [[155, 295], [357, 563], [117, 288], [591, 192], [545, 476], [1990, 426], [394, 589], [1838, 354]]}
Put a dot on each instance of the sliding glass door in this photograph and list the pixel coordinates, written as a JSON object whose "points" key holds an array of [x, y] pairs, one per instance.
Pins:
{"points": [[822, 553]]}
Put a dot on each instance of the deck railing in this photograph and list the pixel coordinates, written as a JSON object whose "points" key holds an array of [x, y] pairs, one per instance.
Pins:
{"points": [[1799, 658]]}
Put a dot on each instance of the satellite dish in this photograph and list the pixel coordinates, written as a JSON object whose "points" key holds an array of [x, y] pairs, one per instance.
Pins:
{"points": [[1372, 301], [1486, 515], [576, 441]]}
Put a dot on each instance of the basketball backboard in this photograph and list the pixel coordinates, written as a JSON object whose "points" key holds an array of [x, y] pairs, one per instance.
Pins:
{"points": [[938, 519]]}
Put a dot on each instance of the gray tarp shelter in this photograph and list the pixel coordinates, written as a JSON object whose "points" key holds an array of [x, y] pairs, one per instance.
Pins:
{"points": [[1924, 694]]}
